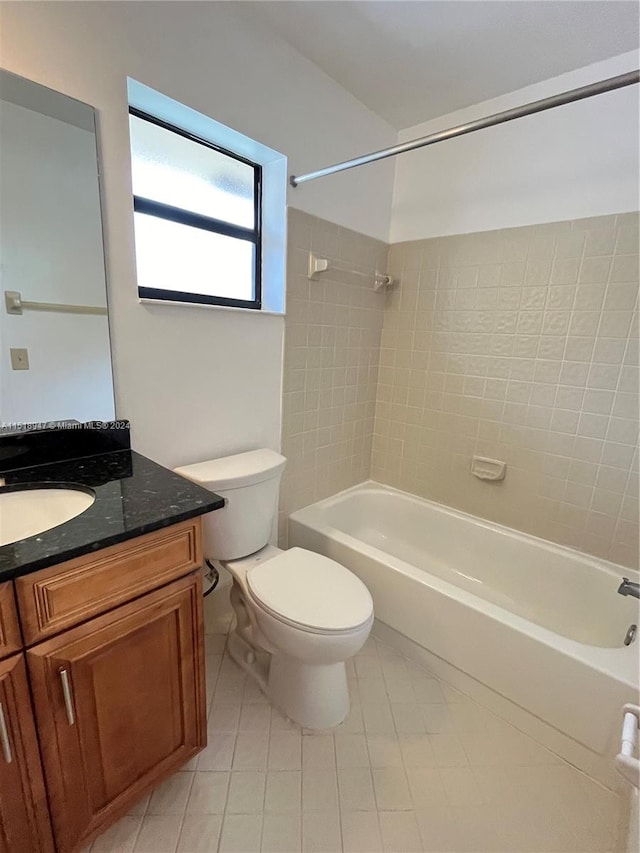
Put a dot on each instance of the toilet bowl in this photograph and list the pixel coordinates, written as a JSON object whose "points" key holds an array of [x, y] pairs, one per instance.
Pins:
{"points": [[310, 614], [298, 616]]}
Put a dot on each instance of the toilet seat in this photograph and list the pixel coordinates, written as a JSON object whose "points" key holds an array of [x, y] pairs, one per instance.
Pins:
{"points": [[311, 592]]}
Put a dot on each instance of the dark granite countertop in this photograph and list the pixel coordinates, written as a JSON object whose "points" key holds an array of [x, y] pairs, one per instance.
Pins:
{"points": [[133, 495]]}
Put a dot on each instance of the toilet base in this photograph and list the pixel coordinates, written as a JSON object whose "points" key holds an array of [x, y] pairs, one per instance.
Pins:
{"points": [[314, 696]]}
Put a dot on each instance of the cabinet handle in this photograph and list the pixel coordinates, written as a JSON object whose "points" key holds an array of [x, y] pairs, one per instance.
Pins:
{"points": [[4, 737], [68, 696]]}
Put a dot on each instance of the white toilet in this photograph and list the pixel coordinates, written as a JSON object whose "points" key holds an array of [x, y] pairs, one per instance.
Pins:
{"points": [[308, 612]]}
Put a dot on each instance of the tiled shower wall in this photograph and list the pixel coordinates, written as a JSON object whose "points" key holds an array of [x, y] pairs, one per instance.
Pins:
{"points": [[332, 347], [520, 345]]}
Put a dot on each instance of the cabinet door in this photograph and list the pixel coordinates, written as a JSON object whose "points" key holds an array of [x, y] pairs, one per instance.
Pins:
{"points": [[120, 704], [24, 820]]}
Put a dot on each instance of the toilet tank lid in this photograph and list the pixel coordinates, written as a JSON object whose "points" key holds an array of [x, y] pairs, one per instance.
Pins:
{"points": [[234, 472]]}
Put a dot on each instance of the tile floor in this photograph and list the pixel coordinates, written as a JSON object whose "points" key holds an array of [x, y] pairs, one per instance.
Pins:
{"points": [[416, 767]]}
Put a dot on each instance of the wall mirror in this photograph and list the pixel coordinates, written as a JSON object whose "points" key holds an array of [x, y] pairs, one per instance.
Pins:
{"points": [[55, 355]]}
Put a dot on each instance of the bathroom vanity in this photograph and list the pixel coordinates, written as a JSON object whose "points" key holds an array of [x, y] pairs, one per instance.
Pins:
{"points": [[102, 690]]}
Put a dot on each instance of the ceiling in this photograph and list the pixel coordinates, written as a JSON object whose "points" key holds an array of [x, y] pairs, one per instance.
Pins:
{"points": [[412, 60]]}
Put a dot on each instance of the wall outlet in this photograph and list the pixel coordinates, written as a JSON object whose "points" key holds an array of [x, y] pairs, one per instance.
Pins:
{"points": [[19, 359]]}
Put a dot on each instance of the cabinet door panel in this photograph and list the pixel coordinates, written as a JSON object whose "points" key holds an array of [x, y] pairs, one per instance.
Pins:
{"points": [[133, 711], [24, 821]]}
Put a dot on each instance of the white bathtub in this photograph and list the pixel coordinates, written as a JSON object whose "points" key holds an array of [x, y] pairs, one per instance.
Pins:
{"points": [[539, 624]]}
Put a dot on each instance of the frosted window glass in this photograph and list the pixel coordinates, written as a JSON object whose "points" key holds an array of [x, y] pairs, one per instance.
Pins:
{"points": [[172, 169], [171, 256]]}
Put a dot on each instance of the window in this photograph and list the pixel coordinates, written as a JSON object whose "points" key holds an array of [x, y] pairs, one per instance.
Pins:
{"points": [[197, 215]]}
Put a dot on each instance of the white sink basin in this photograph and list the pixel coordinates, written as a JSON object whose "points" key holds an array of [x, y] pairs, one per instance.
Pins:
{"points": [[27, 512]]}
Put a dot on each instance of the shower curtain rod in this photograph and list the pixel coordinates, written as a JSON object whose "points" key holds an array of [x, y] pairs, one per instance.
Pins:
{"points": [[569, 97]]}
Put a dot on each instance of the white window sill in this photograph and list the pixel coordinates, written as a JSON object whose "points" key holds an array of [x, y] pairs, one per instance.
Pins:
{"points": [[253, 311]]}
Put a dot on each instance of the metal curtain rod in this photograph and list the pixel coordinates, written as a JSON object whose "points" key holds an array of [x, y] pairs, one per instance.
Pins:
{"points": [[569, 97]]}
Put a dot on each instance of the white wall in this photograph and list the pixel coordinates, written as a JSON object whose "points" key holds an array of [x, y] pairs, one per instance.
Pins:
{"points": [[51, 247], [571, 162], [198, 382]]}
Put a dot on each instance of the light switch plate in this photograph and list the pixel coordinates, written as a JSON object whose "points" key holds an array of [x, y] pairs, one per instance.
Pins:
{"points": [[19, 359]]}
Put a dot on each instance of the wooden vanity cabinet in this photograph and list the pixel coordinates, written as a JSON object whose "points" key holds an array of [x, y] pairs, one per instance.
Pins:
{"points": [[118, 697], [119, 705], [24, 820]]}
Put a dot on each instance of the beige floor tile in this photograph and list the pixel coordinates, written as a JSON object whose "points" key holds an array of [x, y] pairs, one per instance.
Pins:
{"points": [[394, 667], [119, 838], [214, 644], [408, 718], [208, 793], [378, 718], [428, 690], [384, 751], [255, 718], [437, 717], [400, 832], [218, 754], [425, 785], [391, 788], [246, 792], [400, 690], [521, 750], [282, 833], [441, 832], [318, 752], [158, 834], [200, 834], [351, 750], [372, 690], [229, 688], [254, 695], [321, 832], [251, 751], [280, 723], [461, 787], [224, 717], [284, 791], [416, 750], [361, 832], [448, 751], [230, 667], [466, 717], [319, 790], [241, 833], [171, 797], [355, 789], [285, 751]]}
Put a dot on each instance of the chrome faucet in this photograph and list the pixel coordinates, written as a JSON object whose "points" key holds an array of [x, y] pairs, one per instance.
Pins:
{"points": [[627, 587]]}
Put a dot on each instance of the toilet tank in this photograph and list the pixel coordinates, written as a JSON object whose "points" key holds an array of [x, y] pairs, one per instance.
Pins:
{"points": [[249, 483]]}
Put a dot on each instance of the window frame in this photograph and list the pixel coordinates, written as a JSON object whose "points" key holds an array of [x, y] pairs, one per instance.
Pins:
{"points": [[192, 219]]}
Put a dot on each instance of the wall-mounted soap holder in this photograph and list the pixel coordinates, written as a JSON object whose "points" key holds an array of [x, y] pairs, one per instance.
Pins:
{"points": [[488, 469]]}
